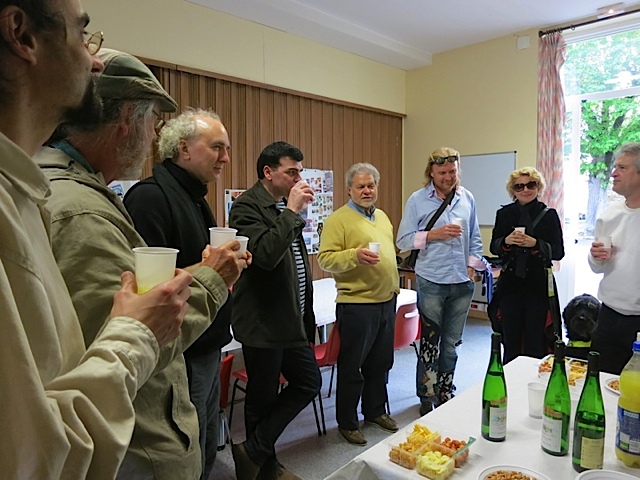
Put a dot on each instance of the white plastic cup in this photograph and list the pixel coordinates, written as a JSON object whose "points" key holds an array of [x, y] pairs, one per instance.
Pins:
{"points": [[154, 265], [519, 229], [374, 247], [536, 398], [606, 243], [221, 235], [243, 242], [458, 221]]}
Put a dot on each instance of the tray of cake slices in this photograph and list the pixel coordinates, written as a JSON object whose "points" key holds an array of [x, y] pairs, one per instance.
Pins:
{"points": [[576, 370], [433, 452]]}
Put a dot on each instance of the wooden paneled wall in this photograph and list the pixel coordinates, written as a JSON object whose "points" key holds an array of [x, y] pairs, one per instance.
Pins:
{"points": [[330, 134]]}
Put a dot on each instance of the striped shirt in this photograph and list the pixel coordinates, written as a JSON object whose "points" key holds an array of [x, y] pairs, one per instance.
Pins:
{"points": [[300, 266]]}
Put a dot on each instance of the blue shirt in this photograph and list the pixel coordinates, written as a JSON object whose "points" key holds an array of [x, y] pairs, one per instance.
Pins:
{"points": [[442, 261]]}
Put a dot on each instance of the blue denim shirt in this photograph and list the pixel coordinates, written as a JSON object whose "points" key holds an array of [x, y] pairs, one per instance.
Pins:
{"points": [[442, 261]]}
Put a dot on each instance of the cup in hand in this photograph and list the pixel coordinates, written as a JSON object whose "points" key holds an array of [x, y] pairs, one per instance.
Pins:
{"points": [[536, 398], [154, 265], [243, 242], [458, 221], [374, 247], [221, 235], [606, 244], [519, 229]]}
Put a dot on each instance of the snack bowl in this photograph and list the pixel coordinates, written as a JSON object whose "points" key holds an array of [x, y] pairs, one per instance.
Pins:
{"points": [[486, 473]]}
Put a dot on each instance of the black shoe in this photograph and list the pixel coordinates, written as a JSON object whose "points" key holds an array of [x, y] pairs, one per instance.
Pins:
{"points": [[425, 407], [274, 470]]}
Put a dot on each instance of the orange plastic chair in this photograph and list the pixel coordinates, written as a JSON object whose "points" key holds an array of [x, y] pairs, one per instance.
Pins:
{"points": [[226, 365], [327, 353]]}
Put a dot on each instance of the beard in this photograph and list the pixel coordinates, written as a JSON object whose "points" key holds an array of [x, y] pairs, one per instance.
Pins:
{"points": [[132, 155], [83, 117]]}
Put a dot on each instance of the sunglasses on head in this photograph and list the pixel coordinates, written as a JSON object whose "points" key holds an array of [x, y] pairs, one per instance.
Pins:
{"points": [[518, 187], [443, 160]]}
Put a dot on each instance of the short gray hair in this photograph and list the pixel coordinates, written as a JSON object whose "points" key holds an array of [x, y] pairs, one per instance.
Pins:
{"points": [[183, 127], [362, 169], [632, 149]]}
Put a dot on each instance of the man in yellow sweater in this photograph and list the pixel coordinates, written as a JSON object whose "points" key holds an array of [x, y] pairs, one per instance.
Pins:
{"points": [[357, 247]]}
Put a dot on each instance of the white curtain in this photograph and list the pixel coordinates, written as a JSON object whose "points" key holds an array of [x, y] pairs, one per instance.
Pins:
{"points": [[551, 117]]}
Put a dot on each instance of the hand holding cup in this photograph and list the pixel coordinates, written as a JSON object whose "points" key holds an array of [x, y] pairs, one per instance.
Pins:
{"points": [[601, 248], [300, 195]]}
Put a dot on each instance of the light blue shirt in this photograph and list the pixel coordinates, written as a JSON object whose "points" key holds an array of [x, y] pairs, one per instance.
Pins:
{"points": [[442, 261]]}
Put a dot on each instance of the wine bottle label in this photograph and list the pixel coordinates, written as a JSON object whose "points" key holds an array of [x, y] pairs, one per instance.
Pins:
{"points": [[591, 453], [628, 435], [498, 419], [551, 433]]}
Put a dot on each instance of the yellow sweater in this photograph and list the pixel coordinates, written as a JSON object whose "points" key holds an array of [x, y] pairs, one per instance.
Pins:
{"points": [[345, 231]]}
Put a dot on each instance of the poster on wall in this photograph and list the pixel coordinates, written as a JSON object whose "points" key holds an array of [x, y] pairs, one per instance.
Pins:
{"points": [[321, 181]]}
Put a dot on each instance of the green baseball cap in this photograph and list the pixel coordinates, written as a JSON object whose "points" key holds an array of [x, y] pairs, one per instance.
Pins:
{"points": [[125, 77]]}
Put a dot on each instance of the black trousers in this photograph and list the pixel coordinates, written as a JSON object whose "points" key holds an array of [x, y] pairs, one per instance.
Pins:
{"points": [[613, 337], [267, 412], [524, 314], [365, 358]]}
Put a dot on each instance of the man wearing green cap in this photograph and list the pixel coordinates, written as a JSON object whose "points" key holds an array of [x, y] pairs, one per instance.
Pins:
{"points": [[66, 411], [93, 237]]}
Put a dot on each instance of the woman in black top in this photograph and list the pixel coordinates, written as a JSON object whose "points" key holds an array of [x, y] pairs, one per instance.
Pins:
{"points": [[523, 292]]}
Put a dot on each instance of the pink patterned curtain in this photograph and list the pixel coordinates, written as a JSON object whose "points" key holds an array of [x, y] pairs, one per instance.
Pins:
{"points": [[551, 116]]}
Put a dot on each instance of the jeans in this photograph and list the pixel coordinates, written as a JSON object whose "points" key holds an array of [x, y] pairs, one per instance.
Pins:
{"points": [[364, 361], [613, 337], [204, 390], [443, 311], [267, 412]]}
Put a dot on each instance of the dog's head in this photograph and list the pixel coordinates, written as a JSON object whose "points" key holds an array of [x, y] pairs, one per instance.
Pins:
{"points": [[580, 316]]}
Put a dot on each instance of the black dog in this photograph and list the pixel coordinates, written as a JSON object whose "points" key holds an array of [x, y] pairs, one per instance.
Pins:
{"points": [[580, 316]]}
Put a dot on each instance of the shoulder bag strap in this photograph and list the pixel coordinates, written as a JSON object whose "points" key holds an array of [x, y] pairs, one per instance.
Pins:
{"points": [[443, 205], [539, 217]]}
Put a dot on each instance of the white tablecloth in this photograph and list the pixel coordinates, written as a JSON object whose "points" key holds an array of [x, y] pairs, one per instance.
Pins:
{"points": [[463, 414], [324, 305]]}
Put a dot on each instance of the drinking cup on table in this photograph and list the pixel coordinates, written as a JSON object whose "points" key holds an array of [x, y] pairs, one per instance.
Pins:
{"points": [[221, 235], [536, 398], [606, 243], [458, 221], [374, 247], [519, 229], [154, 265], [243, 242]]}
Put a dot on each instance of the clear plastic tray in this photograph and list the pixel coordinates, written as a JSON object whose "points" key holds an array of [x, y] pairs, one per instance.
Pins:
{"points": [[576, 370]]}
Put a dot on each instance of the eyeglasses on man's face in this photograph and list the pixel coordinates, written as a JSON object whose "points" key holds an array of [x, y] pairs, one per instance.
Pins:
{"points": [[519, 187], [159, 122], [93, 41], [443, 160]]}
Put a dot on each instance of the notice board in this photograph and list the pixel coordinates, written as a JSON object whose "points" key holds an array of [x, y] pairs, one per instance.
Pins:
{"points": [[485, 176]]}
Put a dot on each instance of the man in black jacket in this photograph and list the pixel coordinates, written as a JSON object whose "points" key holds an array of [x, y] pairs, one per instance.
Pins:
{"points": [[169, 209], [273, 316]]}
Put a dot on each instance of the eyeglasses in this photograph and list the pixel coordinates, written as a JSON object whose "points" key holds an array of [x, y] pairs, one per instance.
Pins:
{"points": [[159, 123], [443, 160], [93, 41], [532, 185]]}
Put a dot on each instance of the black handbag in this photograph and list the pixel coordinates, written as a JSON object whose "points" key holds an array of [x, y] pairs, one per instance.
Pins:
{"points": [[410, 262]]}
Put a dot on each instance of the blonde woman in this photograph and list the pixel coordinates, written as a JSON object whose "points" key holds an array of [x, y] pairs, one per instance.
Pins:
{"points": [[527, 237]]}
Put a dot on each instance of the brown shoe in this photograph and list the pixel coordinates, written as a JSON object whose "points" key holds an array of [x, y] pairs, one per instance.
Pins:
{"points": [[385, 422], [274, 470], [353, 436], [246, 468]]}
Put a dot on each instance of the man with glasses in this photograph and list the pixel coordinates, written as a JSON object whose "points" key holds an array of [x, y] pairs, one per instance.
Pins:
{"points": [[273, 309], [619, 262], [93, 237], [449, 254], [66, 411], [169, 209]]}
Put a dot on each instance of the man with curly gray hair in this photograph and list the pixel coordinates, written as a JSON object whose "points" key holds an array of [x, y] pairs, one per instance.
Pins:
{"points": [[169, 209]]}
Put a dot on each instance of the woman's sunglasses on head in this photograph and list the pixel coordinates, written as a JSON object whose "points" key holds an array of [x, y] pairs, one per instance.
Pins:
{"points": [[443, 160], [518, 187]]}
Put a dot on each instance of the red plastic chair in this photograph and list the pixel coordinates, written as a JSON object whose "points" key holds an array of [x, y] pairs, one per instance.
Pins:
{"points": [[226, 364], [327, 353], [407, 328]]}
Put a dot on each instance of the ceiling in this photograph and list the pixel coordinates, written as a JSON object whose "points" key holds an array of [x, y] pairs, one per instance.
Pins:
{"points": [[406, 33]]}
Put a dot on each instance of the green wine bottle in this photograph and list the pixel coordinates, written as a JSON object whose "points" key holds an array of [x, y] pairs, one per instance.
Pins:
{"points": [[494, 396], [556, 410], [588, 427]]}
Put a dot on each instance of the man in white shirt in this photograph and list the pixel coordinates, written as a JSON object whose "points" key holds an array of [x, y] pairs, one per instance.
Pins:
{"points": [[619, 318]]}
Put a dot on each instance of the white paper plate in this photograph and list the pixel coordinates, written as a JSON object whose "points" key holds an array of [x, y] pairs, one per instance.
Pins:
{"points": [[512, 468], [604, 475], [608, 386]]}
